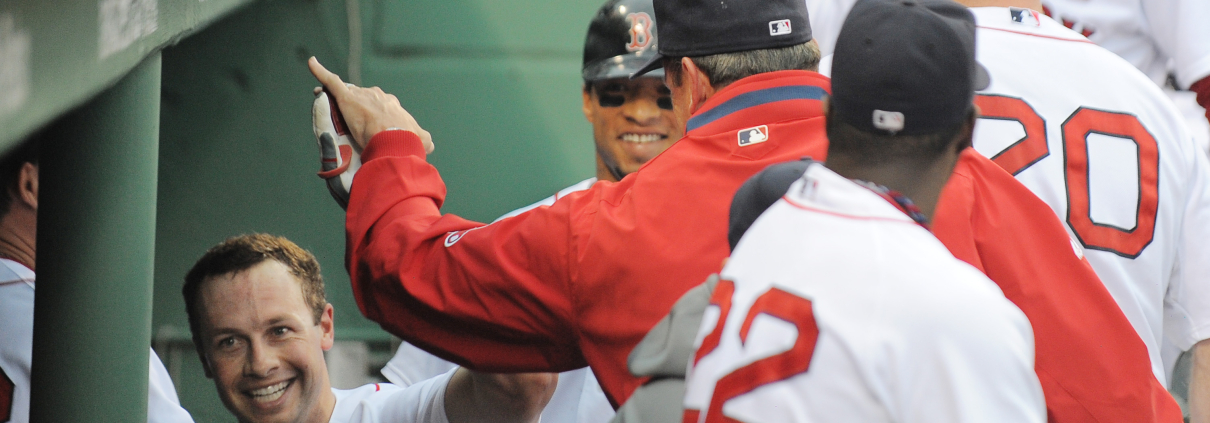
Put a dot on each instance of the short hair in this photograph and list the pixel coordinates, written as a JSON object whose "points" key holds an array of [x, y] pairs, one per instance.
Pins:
{"points": [[867, 148], [241, 253], [10, 169], [725, 68]]}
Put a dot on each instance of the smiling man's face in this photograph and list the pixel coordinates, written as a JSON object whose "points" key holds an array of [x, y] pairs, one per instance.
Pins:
{"points": [[632, 122], [263, 348]]}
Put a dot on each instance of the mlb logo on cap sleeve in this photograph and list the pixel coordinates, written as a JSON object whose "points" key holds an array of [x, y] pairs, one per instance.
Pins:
{"points": [[888, 121], [755, 135], [781, 27]]}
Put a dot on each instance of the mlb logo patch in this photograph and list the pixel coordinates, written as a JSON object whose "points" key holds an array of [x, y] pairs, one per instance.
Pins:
{"points": [[781, 27], [888, 121], [755, 135], [1025, 16]]}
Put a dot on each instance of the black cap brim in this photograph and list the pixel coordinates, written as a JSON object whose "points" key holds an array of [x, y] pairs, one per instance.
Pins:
{"points": [[982, 78], [656, 62]]}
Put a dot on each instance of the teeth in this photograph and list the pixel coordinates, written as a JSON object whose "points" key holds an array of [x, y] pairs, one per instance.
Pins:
{"points": [[270, 393], [641, 138]]}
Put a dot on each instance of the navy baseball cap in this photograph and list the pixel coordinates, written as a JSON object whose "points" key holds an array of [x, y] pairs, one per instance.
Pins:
{"points": [[906, 66], [690, 28], [621, 39]]}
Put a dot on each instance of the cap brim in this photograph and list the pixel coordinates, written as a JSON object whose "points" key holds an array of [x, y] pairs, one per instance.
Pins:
{"points": [[621, 66], [982, 78], [656, 62]]}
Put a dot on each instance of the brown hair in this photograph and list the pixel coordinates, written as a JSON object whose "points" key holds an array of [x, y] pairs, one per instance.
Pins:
{"points": [[240, 253], [725, 68]]}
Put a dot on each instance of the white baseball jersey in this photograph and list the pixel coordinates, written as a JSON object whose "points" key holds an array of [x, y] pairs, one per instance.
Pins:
{"points": [[578, 396], [838, 307], [1099, 143], [386, 403], [16, 349]]}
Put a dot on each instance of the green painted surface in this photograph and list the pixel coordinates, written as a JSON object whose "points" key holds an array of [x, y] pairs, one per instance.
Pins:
{"points": [[96, 234], [237, 154], [55, 55]]}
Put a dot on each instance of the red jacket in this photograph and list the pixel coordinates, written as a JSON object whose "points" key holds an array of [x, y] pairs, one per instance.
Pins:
{"points": [[582, 281], [1092, 364]]}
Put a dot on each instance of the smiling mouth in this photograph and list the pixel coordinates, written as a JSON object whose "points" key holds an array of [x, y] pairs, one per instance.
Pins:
{"points": [[642, 138], [270, 393]]}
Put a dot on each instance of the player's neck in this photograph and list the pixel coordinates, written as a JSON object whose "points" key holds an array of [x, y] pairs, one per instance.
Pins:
{"points": [[327, 402], [18, 234], [921, 184], [603, 172]]}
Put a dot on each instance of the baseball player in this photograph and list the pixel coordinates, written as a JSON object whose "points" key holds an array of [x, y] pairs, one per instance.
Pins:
{"points": [[632, 122], [18, 225], [838, 304], [1117, 165], [261, 323]]}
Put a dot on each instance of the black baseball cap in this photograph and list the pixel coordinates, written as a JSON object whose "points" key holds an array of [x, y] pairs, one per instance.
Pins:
{"points": [[621, 38], [705, 27], [905, 66]]}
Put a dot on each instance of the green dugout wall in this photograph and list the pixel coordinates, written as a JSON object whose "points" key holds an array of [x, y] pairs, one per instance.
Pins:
{"points": [[138, 197]]}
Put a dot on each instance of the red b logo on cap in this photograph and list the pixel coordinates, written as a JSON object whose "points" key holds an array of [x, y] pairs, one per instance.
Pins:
{"points": [[640, 31]]}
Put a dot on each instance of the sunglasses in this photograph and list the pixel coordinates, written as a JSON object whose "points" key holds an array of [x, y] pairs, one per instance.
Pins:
{"points": [[614, 94]]}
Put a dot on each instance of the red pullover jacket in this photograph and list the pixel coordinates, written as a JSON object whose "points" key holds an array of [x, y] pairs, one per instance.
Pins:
{"points": [[580, 282]]}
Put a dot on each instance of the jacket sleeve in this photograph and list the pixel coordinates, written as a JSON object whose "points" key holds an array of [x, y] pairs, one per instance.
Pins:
{"points": [[489, 297]]}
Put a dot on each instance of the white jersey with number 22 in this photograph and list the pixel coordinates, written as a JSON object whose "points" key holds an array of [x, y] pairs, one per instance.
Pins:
{"points": [[838, 307]]}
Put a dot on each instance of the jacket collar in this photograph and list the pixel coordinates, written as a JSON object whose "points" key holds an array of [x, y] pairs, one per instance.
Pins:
{"points": [[767, 97]]}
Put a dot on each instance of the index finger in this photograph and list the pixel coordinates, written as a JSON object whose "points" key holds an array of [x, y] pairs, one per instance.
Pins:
{"points": [[329, 80]]}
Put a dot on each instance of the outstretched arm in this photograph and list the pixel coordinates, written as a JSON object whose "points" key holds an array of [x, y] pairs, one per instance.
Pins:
{"points": [[490, 297], [475, 397]]}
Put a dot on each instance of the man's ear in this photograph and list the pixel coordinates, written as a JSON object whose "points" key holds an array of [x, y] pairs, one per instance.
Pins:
{"points": [[327, 326], [699, 83], [27, 185]]}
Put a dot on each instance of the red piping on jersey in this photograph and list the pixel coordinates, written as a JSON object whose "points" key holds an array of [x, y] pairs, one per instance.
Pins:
{"points": [[1037, 35], [846, 216]]}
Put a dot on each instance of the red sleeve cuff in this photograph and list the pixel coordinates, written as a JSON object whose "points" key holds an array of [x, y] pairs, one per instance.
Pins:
{"points": [[393, 143], [1202, 88]]}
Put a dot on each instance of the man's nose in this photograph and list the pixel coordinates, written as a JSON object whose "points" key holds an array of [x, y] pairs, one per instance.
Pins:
{"points": [[262, 360], [641, 109]]}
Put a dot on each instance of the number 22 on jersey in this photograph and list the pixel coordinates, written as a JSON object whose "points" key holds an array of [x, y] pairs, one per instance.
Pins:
{"points": [[775, 303], [1083, 122]]}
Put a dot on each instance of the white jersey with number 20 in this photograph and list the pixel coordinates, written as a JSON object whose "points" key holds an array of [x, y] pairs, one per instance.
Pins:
{"points": [[1097, 141], [838, 307]]}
